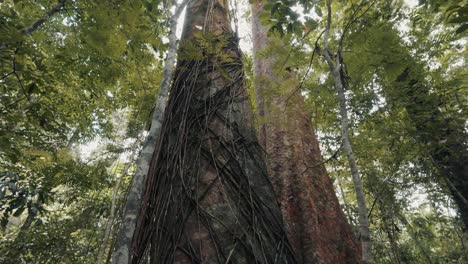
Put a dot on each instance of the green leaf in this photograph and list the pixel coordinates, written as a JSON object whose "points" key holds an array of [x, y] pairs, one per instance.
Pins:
{"points": [[318, 11]]}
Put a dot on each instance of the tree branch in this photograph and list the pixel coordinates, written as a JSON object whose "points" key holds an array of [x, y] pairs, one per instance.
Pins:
{"points": [[41, 20], [316, 47], [29, 30], [325, 161]]}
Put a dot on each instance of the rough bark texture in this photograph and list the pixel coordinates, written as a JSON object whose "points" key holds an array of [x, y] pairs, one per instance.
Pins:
{"points": [[132, 206], [316, 226], [336, 72], [443, 136], [208, 198]]}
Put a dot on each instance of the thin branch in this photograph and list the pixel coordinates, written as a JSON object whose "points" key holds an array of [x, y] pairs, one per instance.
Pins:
{"points": [[6, 75], [19, 80], [372, 52], [41, 20], [29, 30], [333, 157], [375, 200], [7, 107], [299, 87], [327, 26], [291, 49], [353, 19]]}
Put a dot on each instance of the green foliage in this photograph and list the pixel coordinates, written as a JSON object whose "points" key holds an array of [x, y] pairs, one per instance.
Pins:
{"points": [[284, 19], [394, 125], [90, 74], [61, 87]]}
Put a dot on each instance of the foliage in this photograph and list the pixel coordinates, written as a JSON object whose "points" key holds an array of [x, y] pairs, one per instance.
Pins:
{"points": [[88, 76], [391, 140], [61, 87], [393, 134]]}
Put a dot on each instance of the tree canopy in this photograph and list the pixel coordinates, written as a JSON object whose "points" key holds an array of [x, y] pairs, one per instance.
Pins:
{"points": [[79, 82]]}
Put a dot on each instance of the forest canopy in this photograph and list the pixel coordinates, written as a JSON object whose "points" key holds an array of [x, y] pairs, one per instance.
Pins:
{"points": [[215, 131]]}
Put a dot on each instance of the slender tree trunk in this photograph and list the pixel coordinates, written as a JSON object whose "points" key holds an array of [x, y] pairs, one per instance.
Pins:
{"points": [[132, 206], [208, 198], [336, 71], [316, 226], [444, 137], [345, 202], [111, 218]]}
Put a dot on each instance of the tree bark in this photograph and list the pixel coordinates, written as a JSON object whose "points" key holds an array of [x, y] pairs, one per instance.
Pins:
{"points": [[121, 253], [336, 71], [316, 225], [207, 197]]}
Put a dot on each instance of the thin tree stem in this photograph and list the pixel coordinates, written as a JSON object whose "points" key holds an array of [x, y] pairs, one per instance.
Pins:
{"points": [[335, 69], [132, 206]]}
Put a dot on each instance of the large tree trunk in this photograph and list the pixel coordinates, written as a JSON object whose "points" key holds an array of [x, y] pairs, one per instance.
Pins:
{"points": [[208, 198], [316, 226]]}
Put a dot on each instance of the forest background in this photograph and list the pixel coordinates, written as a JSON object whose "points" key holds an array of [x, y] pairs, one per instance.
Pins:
{"points": [[79, 86]]}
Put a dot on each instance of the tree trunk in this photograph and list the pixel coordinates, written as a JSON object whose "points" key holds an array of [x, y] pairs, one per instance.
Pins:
{"points": [[132, 206], [111, 218], [443, 136], [316, 226], [208, 198], [336, 72], [363, 219]]}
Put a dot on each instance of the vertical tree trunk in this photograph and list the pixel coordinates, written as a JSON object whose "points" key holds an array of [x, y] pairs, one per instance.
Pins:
{"points": [[443, 136], [111, 218], [336, 72], [316, 226], [121, 253], [208, 198]]}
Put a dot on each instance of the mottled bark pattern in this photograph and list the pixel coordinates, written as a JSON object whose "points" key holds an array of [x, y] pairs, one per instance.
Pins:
{"points": [[316, 226], [208, 198]]}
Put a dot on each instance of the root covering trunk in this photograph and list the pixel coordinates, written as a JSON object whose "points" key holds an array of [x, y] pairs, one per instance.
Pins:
{"points": [[208, 198]]}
